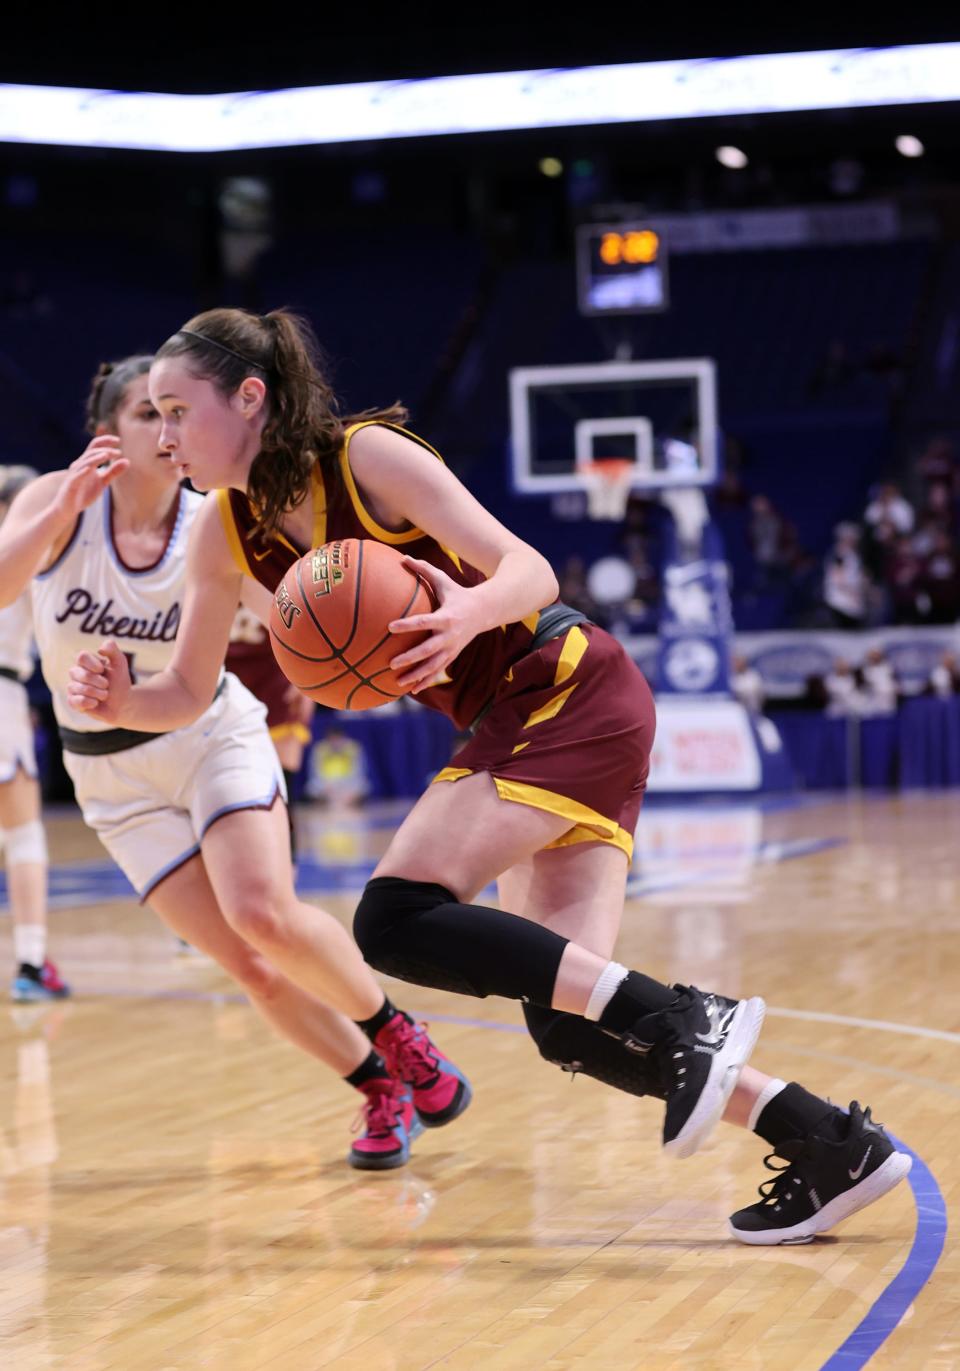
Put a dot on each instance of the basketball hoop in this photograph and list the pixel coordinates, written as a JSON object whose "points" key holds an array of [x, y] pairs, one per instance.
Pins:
{"points": [[607, 481]]}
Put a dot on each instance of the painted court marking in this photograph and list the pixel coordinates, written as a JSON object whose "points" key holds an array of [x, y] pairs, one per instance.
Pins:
{"points": [[896, 1299]]}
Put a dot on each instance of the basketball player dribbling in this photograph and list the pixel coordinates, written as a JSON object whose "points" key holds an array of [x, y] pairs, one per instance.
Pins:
{"points": [[24, 841], [195, 817], [544, 797]]}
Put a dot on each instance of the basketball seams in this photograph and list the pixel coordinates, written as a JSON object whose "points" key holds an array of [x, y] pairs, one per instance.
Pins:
{"points": [[350, 681], [357, 583], [402, 615], [331, 657], [307, 606]]}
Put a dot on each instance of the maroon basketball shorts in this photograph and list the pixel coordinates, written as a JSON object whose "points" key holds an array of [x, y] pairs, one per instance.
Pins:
{"points": [[570, 731]]}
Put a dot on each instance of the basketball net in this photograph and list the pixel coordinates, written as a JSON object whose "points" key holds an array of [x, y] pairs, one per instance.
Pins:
{"points": [[607, 481]]}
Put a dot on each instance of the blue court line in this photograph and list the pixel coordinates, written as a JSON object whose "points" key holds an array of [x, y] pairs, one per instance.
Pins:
{"points": [[894, 1301], [890, 1306]]}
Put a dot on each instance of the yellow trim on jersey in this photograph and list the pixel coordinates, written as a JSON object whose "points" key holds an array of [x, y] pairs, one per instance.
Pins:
{"points": [[581, 834], [552, 708], [299, 731], [519, 748], [319, 508], [575, 645], [383, 535], [232, 534], [597, 826], [452, 773], [587, 826]]}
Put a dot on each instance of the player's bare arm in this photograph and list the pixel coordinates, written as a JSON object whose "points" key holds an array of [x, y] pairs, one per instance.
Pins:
{"points": [[100, 681], [404, 483], [42, 516]]}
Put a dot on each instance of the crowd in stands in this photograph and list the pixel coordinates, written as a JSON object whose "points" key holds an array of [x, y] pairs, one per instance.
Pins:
{"points": [[866, 690], [897, 564]]}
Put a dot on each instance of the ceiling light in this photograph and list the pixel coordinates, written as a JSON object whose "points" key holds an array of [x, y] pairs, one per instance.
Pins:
{"points": [[908, 146], [734, 158]]}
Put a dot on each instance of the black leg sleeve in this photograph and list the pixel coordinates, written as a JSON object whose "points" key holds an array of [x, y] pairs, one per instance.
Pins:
{"points": [[577, 1044], [420, 932]]}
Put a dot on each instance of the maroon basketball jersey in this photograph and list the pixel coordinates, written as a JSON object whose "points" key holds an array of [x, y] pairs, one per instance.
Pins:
{"points": [[339, 512]]}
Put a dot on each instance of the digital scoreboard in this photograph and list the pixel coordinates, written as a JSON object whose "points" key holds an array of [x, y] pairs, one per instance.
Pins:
{"points": [[621, 269]]}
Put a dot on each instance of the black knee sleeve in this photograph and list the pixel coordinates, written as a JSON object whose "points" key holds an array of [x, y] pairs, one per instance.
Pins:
{"points": [[576, 1044], [419, 932]]}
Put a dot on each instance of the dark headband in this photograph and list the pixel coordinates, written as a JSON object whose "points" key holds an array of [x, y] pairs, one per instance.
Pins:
{"points": [[247, 361]]}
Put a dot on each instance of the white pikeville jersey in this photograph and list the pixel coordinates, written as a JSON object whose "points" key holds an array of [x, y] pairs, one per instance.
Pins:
{"points": [[89, 595], [16, 637]]}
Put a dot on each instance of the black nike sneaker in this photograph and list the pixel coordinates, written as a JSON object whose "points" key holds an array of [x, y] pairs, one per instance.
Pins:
{"points": [[822, 1182], [698, 1046]]}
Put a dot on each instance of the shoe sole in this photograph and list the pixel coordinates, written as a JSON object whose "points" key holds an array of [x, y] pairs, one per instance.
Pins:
{"points": [[453, 1110], [386, 1161], [871, 1188], [38, 997], [725, 1071]]}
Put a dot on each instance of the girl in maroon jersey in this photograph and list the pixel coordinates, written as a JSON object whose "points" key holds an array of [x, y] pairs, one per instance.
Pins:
{"points": [[545, 796]]}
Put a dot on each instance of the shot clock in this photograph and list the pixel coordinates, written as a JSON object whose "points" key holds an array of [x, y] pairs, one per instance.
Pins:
{"points": [[621, 269]]}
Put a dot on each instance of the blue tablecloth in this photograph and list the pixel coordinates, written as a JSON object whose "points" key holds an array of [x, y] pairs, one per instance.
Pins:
{"points": [[929, 743], [919, 746]]}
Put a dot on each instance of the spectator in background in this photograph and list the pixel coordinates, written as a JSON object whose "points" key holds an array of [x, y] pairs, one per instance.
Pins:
{"points": [[337, 770], [843, 693], [766, 538], [879, 548], [903, 576], [644, 601], [936, 465], [889, 506], [879, 691], [845, 583], [938, 507], [729, 492], [939, 582], [945, 677], [747, 685]]}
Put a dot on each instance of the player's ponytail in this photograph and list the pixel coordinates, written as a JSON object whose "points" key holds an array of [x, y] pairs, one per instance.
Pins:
{"points": [[303, 425]]}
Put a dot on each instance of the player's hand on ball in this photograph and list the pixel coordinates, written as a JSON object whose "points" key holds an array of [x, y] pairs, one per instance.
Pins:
{"points": [[451, 627], [99, 683], [86, 478]]}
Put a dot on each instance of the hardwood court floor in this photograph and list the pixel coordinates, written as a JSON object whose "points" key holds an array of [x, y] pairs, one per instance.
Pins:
{"points": [[173, 1194]]}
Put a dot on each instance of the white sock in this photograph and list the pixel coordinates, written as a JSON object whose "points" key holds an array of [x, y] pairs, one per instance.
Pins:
{"points": [[769, 1092], [612, 975], [30, 944]]}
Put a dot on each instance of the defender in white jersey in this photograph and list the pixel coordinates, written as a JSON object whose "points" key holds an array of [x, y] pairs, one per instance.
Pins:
{"points": [[21, 828], [195, 816]]}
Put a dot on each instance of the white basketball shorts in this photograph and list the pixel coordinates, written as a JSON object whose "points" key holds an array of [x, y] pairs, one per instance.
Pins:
{"points": [[16, 732], [151, 804]]}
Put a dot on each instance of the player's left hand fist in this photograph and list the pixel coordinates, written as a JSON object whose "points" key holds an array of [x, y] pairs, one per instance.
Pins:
{"points": [[451, 626], [99, 683]]}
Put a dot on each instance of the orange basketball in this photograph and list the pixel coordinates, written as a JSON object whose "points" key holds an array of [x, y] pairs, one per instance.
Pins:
{"points": [[328, 622]]}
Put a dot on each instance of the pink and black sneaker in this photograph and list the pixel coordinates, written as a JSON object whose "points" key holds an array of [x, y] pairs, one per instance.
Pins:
{"points": [[390, 1124], [33, 983], [441, 1092]]}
